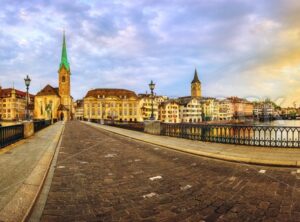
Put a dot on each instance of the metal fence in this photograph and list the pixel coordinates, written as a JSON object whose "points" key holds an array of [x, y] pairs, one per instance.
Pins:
{"points": [[41, 124], [268, 136], [137, 126], [11, 134]]}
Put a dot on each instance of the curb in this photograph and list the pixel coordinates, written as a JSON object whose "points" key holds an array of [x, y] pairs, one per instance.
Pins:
{"points": [[21, 205], [218, 156]]}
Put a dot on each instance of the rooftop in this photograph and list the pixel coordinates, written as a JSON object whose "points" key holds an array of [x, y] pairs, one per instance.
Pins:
{"points": [[100, 92], [8, 91], [48, 90]]}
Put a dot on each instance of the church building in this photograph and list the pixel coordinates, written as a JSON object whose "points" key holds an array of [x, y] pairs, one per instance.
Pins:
{"points": [[196, 86], [56, 102]]}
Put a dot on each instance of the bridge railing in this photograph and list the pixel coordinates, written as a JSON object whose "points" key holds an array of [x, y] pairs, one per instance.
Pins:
{"points": [[137, 126], [268, 136], [11, 134], [41, 124]]}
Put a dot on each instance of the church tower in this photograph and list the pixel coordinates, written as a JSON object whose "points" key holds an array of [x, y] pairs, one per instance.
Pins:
{"points": [[196, 86], [64, 74]]}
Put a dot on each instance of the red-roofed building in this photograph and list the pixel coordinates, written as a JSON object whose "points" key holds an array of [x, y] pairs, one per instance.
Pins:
{"points": [[13, 104], [241, 107]]}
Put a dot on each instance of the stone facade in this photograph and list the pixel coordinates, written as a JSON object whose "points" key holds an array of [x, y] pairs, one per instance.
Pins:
{"points": [[145, 105], [28, 129], [112, 104], [210, 109], [266, 109], [13, 104], [225, 110], [168, 112], [79, 110], [152, 127], [241, 108], [190, 110], [46, 103]]}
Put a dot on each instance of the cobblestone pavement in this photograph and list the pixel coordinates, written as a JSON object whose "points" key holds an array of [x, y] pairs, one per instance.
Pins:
{"points": [[101, 176]]}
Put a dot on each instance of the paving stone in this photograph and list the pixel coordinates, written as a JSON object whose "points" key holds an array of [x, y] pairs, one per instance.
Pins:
{"points": [[264, 205], [272, 212]]}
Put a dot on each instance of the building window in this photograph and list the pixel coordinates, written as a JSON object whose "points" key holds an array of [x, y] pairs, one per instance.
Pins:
{"points": [[63, 79], [41, 106]]}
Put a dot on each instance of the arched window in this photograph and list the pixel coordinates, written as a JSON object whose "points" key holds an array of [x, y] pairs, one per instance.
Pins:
{"points": [[63, 79], [41, 106]]}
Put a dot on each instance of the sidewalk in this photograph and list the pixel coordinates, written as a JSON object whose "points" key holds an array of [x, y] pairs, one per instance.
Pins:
{"points": [[23, 169], [287, 157]]}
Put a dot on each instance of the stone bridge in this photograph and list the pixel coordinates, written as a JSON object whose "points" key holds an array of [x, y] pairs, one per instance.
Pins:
{"points": [[77, 171]]}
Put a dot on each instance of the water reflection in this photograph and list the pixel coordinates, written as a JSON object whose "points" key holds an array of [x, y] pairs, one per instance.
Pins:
{"points": [[279, 123]]}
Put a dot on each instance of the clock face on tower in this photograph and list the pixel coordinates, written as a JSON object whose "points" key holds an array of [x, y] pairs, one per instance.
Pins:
{"points": [[195, 87]]}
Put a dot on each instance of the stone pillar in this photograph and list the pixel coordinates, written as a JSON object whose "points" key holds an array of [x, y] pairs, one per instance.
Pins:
{"points": [[28, 129], [152, 127]]}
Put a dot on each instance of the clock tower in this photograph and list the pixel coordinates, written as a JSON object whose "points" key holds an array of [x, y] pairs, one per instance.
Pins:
{"points": [[64, 75], [196, 86]]}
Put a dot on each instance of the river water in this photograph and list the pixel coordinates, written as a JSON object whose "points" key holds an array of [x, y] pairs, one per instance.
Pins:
{"points": [[292, 123]]}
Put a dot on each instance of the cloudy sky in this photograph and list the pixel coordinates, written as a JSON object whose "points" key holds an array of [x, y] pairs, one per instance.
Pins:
{"points": [[247, 48]]}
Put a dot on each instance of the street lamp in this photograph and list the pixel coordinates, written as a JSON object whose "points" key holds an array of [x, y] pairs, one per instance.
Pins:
{"points": [[27, 84], [152, 86]]}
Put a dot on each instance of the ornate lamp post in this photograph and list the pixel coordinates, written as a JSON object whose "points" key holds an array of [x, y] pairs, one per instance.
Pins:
{"points": [[152, 86], [27, 84]]}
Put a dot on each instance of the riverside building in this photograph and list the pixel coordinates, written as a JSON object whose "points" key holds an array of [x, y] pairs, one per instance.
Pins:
{"points": [[112, 104], [225, 110], [146, 105], [241, 108], [210, 109], [13, 104], [168, 112], [78, 109], [190, 110]]}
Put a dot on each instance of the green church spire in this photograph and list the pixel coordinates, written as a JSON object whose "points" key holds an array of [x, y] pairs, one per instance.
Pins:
{"points": [[64, 58]]}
